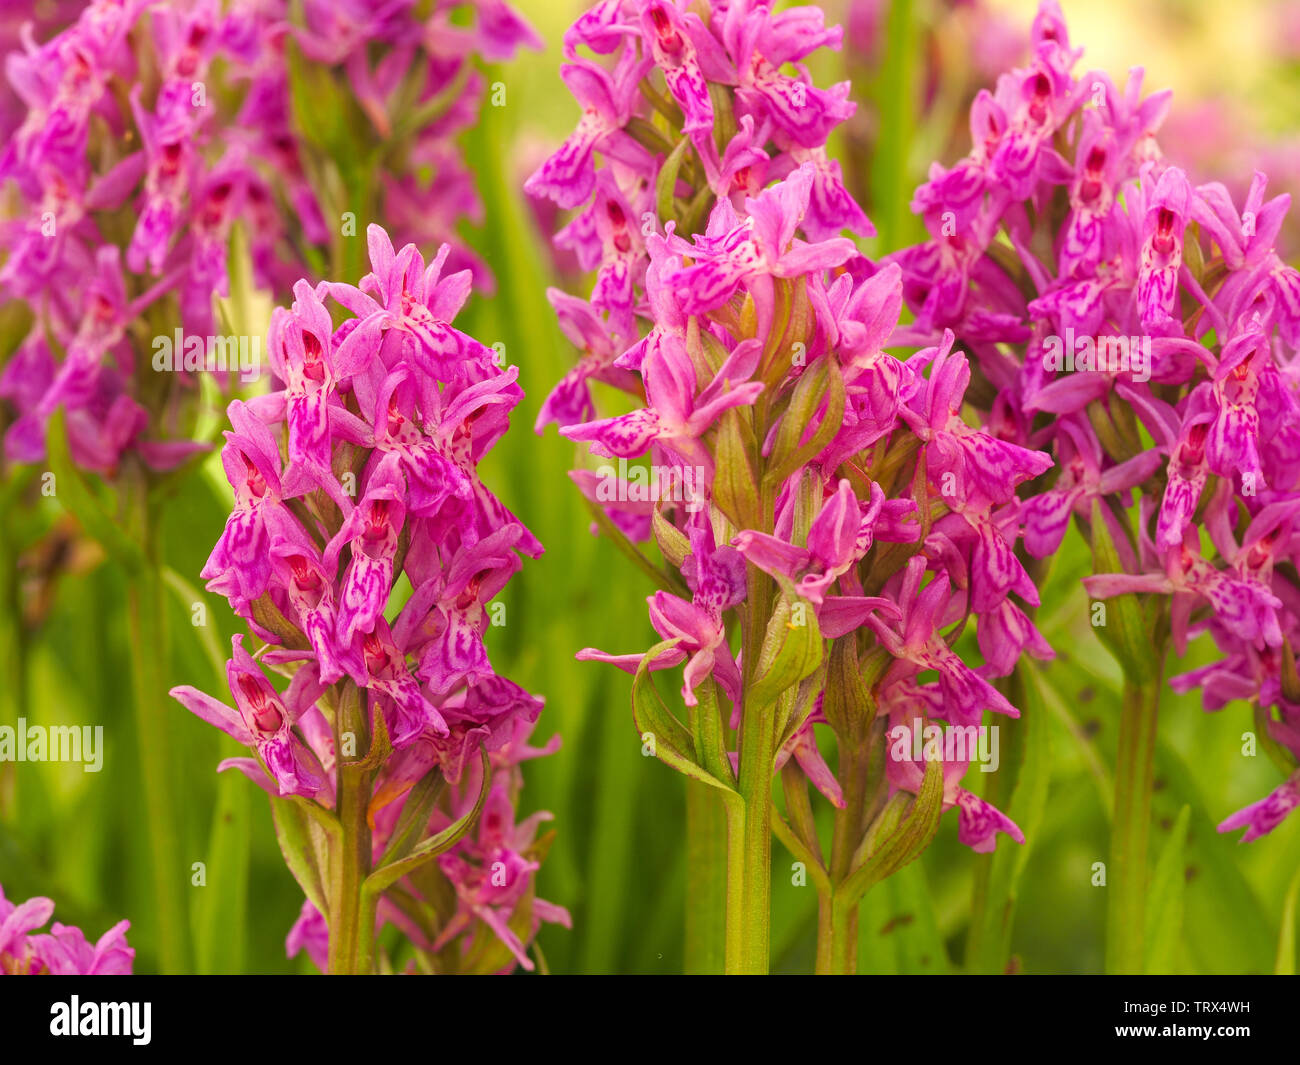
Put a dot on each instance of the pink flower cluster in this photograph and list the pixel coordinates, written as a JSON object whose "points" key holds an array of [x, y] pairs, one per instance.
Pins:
{"points": [[740, 120], [152, 128], [1144, 330], [63, 951], [846, 476], [384, 419]]}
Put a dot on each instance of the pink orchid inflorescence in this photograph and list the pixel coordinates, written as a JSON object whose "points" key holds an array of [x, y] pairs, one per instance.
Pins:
{"points": [[63, 950], [829, 520], [354, 481], [1144, 331], [151, 129]]}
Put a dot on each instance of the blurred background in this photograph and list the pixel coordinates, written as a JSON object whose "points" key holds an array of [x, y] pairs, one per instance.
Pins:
{"points": [[617, 863]]}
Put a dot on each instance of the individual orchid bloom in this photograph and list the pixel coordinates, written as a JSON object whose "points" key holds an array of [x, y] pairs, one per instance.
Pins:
{"points": [[1082, 480], [831, 209], [978, 821], [433, 477], [446, 617], [240, 561], [1260, 818], [570, 402], [1232, 443], [309, 365], [682, 48], [716, 577], [63, 951], [734, 252], [802, 747], [984, 470], [744, 163], [1265, 541], [383, 670], [310, 593], [622, 255], [263, 720], [16, 921], [1188, 471], [1165, 217], [309, 933], [676, 416], [411, 306], [371, 531], [1098, 172], [569, 175], [917, 645], [173, 165], [758, 44], [492, 875], [1247, 606], [1258, 275], [995, 571], [99, 332], [834, 539], [1036, 101], [703, 640], [1005, 634]]}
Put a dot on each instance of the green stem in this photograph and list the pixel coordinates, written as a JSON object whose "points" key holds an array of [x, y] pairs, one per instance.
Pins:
{"points": [[757, 753], [1134, 777], [837, 936], [837, 924], [706, 879], [735, 892], [153, 715], [351, 923]]}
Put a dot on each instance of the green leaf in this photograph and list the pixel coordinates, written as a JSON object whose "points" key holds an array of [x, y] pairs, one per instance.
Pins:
{"points": [[735, 483], [1285, 964], [1164, 919], [414, 818], [898, 929], [301, 843], [905, 838], [847, 704], [673, 743], [788, 453], [791, 650], [220, 908], [666, 182], [387, 875]]}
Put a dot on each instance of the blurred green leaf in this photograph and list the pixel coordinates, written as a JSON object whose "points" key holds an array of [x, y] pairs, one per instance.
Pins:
{"points": [[1164, 920]]}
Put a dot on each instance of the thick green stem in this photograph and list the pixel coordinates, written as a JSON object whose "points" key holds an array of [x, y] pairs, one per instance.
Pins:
{"points": [[757, 753], [837, 921], [153, 715], [351, 922], [1134, 777], [837, 936], [706, 879], [735, 891], [752, 827]]}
